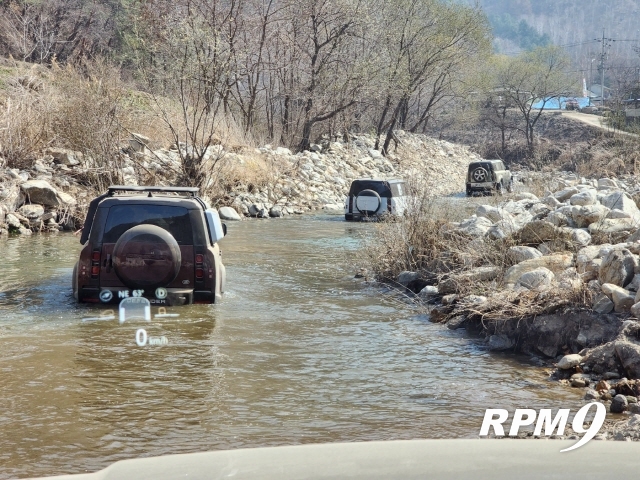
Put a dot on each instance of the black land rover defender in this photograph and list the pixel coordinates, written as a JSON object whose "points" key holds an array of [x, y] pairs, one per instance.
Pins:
{"points": [[154, 242]]}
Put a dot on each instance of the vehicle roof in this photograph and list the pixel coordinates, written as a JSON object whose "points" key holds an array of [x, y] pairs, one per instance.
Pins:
{"points": [[388, 180], [190, 203], [485, 161]]}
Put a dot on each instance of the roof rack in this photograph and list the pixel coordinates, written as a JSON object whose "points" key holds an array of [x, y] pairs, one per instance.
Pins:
{"points": [[113, 189]]}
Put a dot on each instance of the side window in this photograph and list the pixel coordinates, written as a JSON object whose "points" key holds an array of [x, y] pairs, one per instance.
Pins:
{"points": [[398, 189]]}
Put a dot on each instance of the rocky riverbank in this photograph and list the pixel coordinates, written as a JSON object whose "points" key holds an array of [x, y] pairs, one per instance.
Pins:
{"points": [[264, 182], [556, 276]]}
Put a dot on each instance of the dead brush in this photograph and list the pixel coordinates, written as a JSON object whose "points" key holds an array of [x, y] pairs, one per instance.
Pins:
{"points": [[514, 304]]}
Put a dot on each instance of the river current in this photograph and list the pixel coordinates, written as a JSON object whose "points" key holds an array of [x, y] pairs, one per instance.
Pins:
{"points": [[298, 351]]}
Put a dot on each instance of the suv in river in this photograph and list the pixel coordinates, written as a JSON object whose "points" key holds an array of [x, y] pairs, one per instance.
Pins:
{"points": [[372, 199], [154, 242], [487, 176]]}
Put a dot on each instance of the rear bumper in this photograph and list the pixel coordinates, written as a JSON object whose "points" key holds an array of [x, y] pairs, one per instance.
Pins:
{"points": [[480, 187], [161, 297]]}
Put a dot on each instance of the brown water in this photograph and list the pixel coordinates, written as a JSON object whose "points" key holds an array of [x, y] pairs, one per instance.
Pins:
{"points": [[297, 352]]}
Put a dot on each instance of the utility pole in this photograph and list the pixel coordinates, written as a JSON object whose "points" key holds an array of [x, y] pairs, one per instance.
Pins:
{"points": [[606, 43]]}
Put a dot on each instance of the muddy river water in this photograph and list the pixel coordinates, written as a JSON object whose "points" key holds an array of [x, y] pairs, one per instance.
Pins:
{"points": [[297, 352]]}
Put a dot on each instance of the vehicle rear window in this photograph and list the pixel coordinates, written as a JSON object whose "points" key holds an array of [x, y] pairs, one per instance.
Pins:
{"points": [[173, 219], [381, 188]]}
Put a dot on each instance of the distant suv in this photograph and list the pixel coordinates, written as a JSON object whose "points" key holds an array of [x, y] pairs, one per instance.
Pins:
{"points": [[154, 242], [487, 176], [372, 199]]}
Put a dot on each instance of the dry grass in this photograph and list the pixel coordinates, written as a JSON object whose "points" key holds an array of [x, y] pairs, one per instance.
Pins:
{"points": [[89, 109]]}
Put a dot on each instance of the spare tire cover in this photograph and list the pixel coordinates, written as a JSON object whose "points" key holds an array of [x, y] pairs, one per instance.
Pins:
{"points": [[146, 256], [368, 202]]}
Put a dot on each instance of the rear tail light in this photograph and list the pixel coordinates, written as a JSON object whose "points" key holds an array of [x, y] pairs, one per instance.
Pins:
{"points": [[95, 263], [199, 267]]}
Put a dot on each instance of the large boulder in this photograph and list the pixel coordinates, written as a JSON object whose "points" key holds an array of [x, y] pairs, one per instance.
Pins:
{"points": [[521, 253], [229, 213], [539, 231], [538, 280], [555, 263], [566, 194], [629, 355], [569, 361], [586, 197], [618, 267], [607, 184], [583, 216], [64, 156], [621, 297], [475, 226], [620, 201], [614, 225], [602, 304], [40, 192], [492, 213]]}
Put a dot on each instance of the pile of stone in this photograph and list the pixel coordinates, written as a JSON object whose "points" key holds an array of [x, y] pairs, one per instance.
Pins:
{"points": [[562, 236], [320, 178], [34, 206], [571, 257], [301, 182]]}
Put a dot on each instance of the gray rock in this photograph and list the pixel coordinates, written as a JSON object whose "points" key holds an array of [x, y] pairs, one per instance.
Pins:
{"points": [[500, 342], [580, 237], [457, 322], [586, 197], [602, 304], [276, 211], [634, 284], [591, 394], [606, 183], [619, 404], [614, 225], [569, 361], [622, 299], [519, 254], [40, 192], [583, 216], [64, 156], [406, 277], [12, 221], [565, 194], [635, 309], [31, 212], [556, 262], [579, 382], [620, 201], [66, 200], [629, 355], [428, 292], [618, 267], [258, 210], [539, 231], [539, 279], [229, 213]]}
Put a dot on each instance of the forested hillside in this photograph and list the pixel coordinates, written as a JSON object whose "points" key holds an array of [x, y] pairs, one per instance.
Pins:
{"points": [[573, 23]]}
